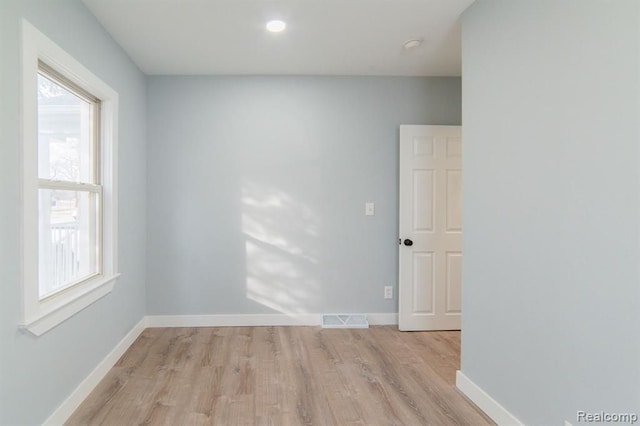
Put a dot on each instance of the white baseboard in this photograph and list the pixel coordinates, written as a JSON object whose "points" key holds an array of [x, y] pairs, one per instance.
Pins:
{"points": [[483, 400], [255, 320], [382, 319], [73, 401], [231, 320]]}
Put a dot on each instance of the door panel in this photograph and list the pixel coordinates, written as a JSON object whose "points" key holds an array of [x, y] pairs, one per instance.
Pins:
{"points": [[454, 201], [454, 282], [431, 217], [423, 193], [423, 274]]}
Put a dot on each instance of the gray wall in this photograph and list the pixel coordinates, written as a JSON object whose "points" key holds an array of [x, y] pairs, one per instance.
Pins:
{"points": [[551, 295], [39, 373], [257, 185]]}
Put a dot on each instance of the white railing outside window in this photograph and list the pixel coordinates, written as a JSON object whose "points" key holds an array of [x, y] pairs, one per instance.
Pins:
{"points": [[65, 240]]}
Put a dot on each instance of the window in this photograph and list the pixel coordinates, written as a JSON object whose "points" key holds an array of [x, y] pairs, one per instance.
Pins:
{"points": [[69, 185], [69, 190]]}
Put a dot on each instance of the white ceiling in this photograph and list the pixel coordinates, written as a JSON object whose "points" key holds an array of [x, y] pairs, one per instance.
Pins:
{"points": [[323, 37]]}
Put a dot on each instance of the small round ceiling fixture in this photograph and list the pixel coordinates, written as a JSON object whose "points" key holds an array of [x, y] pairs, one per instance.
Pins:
{"points": [[276, 26], [412, 44]]}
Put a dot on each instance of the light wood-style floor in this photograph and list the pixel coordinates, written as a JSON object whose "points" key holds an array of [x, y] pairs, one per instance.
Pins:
{"points": [[283, 376]]}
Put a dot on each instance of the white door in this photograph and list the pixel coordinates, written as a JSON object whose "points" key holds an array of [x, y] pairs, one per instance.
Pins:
{"points": [[430, 228]]}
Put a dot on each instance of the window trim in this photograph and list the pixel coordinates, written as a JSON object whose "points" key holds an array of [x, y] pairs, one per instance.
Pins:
{"points": [[39, 316]]}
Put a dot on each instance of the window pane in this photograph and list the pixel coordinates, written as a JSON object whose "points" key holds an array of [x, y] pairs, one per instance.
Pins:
{"points": [[65, 133], [68, 249]]}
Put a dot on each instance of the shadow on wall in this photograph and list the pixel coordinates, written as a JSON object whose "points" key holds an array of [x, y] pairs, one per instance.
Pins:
{"points": [[281, 249]]}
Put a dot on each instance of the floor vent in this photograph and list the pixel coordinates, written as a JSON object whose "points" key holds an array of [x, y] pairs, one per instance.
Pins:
{"points": [[344, 321]]}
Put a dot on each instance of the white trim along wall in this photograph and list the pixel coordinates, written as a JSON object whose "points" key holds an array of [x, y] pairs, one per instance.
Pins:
{"points": [[73, 401], [485, 402], [249, 320]]}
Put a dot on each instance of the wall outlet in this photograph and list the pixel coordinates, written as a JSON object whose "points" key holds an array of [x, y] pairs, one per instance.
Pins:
{"points": [[388, 292], [369, 209]]}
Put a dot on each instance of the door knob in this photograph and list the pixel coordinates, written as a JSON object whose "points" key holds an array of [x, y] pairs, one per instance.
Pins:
{"points": [[408, 242]]}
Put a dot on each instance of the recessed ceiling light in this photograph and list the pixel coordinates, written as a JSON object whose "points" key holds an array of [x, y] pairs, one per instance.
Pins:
{"points": [[412, 44], [276, 26]]}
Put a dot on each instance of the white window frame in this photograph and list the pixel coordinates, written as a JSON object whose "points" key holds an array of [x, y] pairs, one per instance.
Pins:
{"points": [[39, 316]]}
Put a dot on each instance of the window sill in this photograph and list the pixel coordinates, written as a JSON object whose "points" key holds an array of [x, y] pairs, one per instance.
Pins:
{"points": [[51, 313]]}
